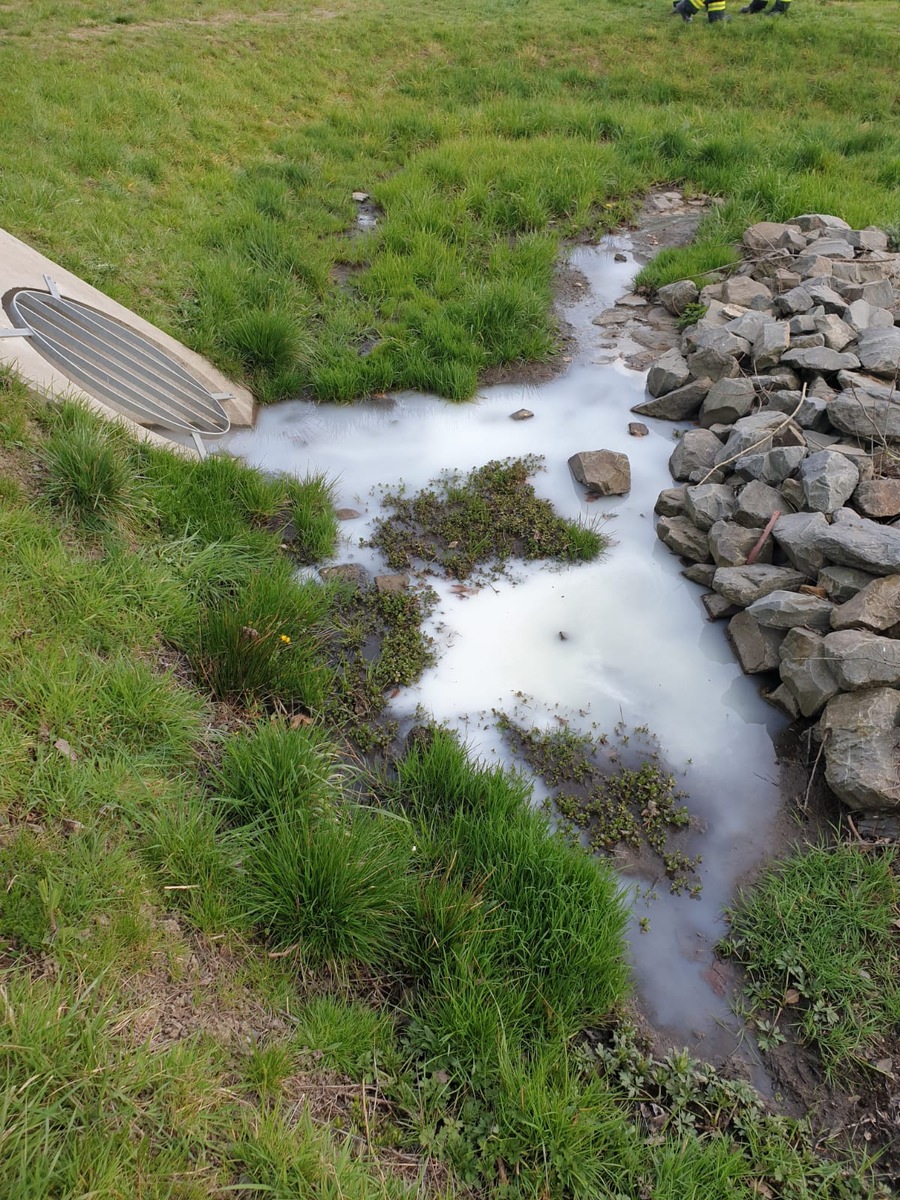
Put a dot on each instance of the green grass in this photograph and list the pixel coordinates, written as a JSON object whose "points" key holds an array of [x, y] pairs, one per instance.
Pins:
{"points": [[818, 938], [485, 132]]}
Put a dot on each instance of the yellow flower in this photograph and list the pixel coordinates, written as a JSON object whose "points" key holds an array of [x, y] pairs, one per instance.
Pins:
{"points": [[285, 639]]}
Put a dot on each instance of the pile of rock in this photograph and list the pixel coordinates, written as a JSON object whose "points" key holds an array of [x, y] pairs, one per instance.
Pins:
{"points": [[790, 483]]}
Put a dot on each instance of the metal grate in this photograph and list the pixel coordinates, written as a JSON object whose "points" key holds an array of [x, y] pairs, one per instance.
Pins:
{"points": [[118, 366]]}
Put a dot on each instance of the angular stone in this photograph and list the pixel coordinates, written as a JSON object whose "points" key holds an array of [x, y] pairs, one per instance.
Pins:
{"points": [[876, 607], [877, 292], [820, 359], [833, 248], [717, 607], [758, 433], [781, 697], [696, 452], [859, 315], [352, 574], [679, 405], [707, 503], [604, 472], [842, 583], [808, 341], [868, 239], [798, 536], [743, 585], [859, 659], [813, 222], [749, 324], [808, 411], [862, 748], [730, 544], [857, 456], [804, 671], [773, 467], [670, 502], [392, 583], [771, 235], [833, 302], [743, 290], [668, 373], [683, 538], [797, 300], [677, 296], [726, 402], [770, 344], [829, 480], [701, 573], [879, 350], [756, 503], [637, 429], [837, 333], [790, 610], [862, 543], [755, 648], [811, 265], [878, 498]]}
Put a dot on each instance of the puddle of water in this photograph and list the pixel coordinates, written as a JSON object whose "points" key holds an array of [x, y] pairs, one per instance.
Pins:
{"points": [[638, 648]]}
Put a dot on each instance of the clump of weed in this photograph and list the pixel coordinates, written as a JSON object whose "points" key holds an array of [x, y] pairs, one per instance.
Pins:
{"points": [[612, 804], [691, 315], [90, 478], [817, 936], [463, 522]]}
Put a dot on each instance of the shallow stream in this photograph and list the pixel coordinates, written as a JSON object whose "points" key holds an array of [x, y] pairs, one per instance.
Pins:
{"points": [[637, 648]]}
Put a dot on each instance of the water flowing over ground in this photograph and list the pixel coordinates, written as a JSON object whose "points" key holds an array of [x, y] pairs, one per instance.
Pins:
{"points": [[637, 648]]}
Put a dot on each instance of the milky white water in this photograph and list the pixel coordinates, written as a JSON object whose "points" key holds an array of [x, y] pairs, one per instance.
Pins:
{"points": [[637, 646]]}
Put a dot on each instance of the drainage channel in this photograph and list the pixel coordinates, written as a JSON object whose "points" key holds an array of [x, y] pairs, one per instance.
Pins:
{"points": [[636, 649]]}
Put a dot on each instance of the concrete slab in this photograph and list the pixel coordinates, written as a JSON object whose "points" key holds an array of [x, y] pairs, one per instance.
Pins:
{"points": [[23, 267]]}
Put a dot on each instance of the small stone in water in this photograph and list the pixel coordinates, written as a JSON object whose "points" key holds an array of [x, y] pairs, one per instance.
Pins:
{"points": [[346, 514], [637, 429], [360, 197], [521, 414], [620, 257]]}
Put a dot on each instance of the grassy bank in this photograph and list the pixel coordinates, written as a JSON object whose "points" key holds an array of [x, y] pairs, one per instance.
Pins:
{"points": [[232, 962], [197, 161]]}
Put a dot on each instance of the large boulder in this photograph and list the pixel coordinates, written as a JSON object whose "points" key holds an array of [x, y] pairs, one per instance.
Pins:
{"points": [[804, 671], [742, 585], [828, 479], [683, 538], [875, 606], [670, 371], [694, 455], [755, 648], [863, 544], [788, 610], [862, 748], [860, 659], [798, 536], [603, 472]]}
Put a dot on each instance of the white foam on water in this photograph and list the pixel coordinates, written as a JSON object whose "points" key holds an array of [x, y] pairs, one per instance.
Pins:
{"points": [[637, 648]]}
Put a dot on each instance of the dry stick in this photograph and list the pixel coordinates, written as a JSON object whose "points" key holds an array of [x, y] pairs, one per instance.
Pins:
{"points": [[804, 807], [767, 437], [763, 538]]}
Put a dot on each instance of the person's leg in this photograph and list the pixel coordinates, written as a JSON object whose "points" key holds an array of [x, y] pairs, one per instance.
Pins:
{"points": [[716, 9], [780, 6], [687, 8], [754, 6]]}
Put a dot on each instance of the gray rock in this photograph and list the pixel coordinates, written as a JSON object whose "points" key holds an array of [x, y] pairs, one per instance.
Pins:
{"points": [[397, 582], [808, 411], [792, 490], [604, 472], [878, 292], [879, 350], [868, 239], [668, 373], [878, 498], [814, 222], [791, 610], [755, 648], [773, 467], [842, 583], [859, 659], [757, 433], [677, 296], [352, 574], [857, 455], [881, 318], [770, 344], [858, 315], [747, 292], [837, 333], [808, 341], [749, 324], [805, 672], [798, 536], [726, 402], [701, 573], [826, 297], [717, 607], [671, 501], [776, 379], [707, 503], [863, 544], [679, 405], [875, 607], [696, 452], [812, 265], [683, 538], [833, 248], [829, 480], [743, 585], [783, 699], [730, 544], [771, 235], [797, 300], [820, 359], [862, 748], [713, 364], [802, 323], [756, 503]]}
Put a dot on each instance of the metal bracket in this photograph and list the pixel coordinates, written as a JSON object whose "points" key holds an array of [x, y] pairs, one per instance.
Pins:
{"points": [[198, 442], [52, 287], [222, 395], [16, 333]]}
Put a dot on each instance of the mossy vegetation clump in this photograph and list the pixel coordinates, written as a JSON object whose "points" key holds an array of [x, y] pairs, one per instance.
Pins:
{"points": [[478, 521]]}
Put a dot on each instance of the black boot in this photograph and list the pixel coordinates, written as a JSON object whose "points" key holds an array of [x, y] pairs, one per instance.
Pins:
{"points": [[685, 10], [778, 7], [755, 6], [716, 16]]}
